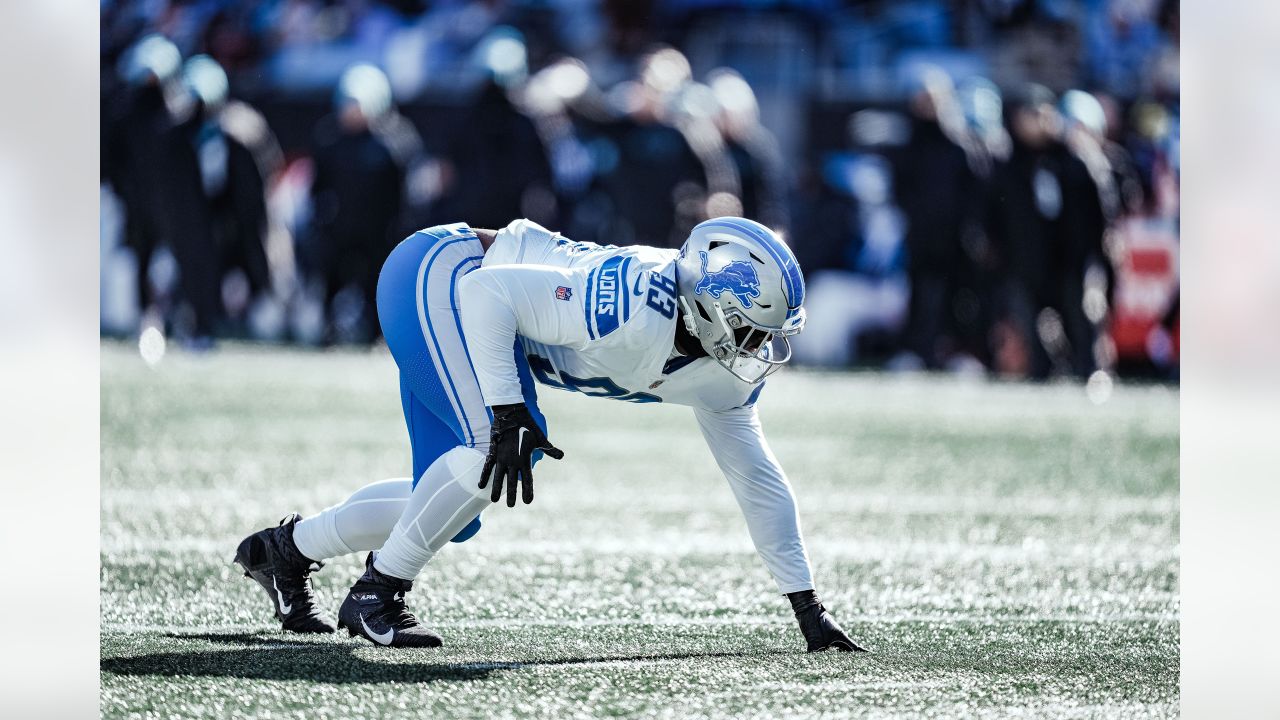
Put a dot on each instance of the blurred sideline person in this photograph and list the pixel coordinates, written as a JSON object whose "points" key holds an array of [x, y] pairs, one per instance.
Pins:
{"points": [[236, 155], [1048, 225], [977, 298], [500, 166], [135, 123], [694, 113], [936, 187], [1119, 194], [188, 186], [549, 100], [753, 149], [362, 154], [653, 181], [472, 317]]}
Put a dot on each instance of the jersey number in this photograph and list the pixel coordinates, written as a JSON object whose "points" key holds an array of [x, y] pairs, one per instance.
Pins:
{"points": [[662, 295], [595, 387]]}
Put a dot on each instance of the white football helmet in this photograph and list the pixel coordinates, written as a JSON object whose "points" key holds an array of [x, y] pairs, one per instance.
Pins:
{"points": [[740, 292]]}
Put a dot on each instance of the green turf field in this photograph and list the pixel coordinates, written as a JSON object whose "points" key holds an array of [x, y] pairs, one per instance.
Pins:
{"points": [[1004, 550]]}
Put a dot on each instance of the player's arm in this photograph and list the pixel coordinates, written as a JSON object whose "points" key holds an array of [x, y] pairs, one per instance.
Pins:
{"points": [[737, 441], [496, 304]]}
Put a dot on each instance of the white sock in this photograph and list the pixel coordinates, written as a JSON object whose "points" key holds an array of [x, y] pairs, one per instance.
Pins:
{"points": [[361, 522], [446, 499]]}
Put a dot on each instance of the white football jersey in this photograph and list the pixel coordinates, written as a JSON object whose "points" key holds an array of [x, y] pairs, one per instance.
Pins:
{"points": [[618, 307], [601, 320]]}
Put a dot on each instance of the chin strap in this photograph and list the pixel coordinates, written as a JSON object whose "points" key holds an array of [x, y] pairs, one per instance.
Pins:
{"points": [[687, 317]]}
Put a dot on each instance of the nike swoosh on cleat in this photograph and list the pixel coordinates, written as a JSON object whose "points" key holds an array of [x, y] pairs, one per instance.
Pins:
{"points": [[380, 638], [285, 608]]}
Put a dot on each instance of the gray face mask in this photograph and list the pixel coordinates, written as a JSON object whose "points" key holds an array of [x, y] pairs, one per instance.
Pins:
{"points": [[750, 353]]}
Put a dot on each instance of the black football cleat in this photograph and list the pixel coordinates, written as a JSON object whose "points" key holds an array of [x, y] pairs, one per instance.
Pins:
{"points": [[375, 611], [821, 631], [272, 559]]}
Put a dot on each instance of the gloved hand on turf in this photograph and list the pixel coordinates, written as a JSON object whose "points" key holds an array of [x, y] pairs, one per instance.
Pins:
{"points": [[513, 438], [821, 631]]}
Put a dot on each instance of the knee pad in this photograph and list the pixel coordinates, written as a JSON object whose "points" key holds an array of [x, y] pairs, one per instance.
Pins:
{"points": [[465, 463]]}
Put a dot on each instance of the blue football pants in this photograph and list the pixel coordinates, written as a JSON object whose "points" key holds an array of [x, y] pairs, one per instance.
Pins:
{"points": [[418, 310]]}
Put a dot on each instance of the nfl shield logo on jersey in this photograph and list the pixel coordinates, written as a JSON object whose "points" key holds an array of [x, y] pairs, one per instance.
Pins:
{"points": [[563, 293]]}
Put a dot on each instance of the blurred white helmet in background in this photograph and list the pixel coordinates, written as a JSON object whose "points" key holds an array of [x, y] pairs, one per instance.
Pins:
{"points": [[153, 58], [207, 80], [740, 292], [1079, 106], [368, 88]]}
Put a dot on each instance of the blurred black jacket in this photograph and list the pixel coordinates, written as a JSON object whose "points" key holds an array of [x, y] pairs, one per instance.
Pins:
{"points": [[654, 166], [134, 124], [936, 189], [502, 169], [357, 198], [1047, 218], [1047, 223]]}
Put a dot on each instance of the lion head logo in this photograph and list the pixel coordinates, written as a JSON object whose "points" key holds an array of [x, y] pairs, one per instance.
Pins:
{"points": [[738, 278]]}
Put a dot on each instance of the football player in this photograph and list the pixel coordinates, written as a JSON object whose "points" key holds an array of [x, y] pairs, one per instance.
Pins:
{"points": [[472, 318]]}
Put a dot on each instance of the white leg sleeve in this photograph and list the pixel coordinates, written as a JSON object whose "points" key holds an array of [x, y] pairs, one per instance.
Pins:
{"points": [[446, 499], [361, 522]]}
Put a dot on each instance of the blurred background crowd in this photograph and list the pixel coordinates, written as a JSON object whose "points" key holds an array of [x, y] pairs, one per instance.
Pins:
{"points": [[975, 186]]}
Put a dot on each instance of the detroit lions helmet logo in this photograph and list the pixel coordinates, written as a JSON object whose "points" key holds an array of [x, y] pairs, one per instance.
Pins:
{"points": [[738, 277]]}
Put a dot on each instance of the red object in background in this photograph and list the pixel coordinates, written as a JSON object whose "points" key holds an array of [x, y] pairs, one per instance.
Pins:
{"points": [[1146, 285]]}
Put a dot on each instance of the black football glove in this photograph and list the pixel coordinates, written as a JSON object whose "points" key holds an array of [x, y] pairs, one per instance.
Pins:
{"points": [[821, 631], [513, 438]]}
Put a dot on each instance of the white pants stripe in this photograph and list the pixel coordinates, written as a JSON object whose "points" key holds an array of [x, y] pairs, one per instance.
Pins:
{"points": [[447, 261]]}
